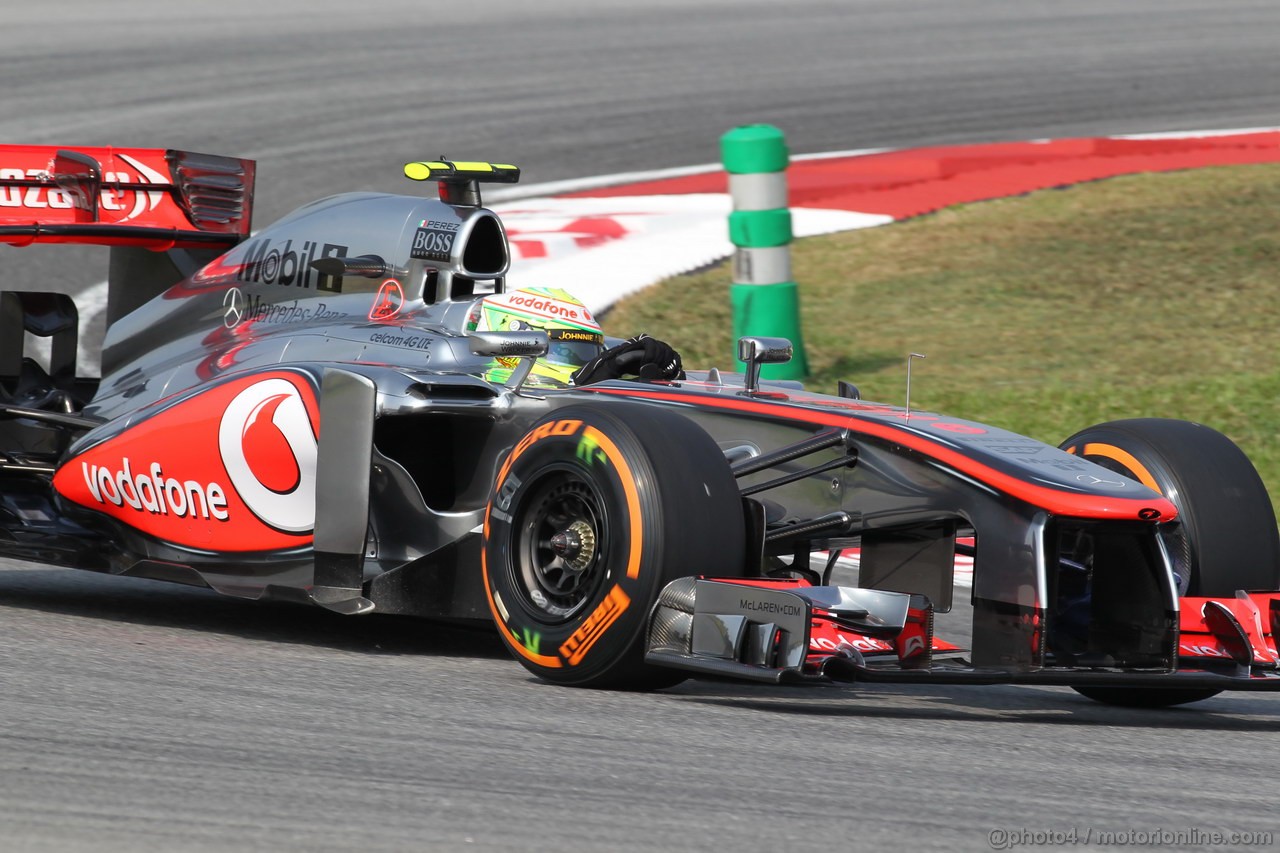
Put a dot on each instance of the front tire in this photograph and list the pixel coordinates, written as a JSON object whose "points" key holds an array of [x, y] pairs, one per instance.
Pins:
{"points": [[594, 511], [1226, 539], [1225, 513]]}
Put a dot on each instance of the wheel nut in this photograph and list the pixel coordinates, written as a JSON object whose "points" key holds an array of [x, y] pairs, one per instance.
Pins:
{"points": [[576, 545], [566, 544]]}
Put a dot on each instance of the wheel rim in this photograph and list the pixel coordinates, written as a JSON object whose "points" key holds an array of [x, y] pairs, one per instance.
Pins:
{"points": [[559, 563]]}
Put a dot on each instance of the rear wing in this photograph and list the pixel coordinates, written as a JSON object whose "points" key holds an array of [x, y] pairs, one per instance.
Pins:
{"points": [[164, 213], [151, 198]]}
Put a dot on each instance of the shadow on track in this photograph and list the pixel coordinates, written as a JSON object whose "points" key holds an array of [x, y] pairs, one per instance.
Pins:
{"points": [[1004, 704], [154, 603], [94, 597]]}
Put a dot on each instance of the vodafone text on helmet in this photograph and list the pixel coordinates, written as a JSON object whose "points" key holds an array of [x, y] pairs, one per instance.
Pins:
{"points": [[545, 305]]}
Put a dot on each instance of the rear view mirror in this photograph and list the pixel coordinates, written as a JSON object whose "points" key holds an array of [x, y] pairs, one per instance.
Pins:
{"points": [[759, 351], [509, 344], [527, 346]]}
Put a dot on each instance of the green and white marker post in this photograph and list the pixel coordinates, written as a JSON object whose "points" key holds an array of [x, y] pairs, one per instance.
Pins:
{"points": [[765, 300]]}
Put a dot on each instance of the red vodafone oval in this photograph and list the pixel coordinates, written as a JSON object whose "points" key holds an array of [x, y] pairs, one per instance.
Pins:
{"points": [[266, 449], [267, 441], [232, 468]]}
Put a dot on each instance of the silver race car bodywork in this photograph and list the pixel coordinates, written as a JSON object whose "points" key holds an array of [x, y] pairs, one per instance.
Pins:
{"points": [[301, 414]]}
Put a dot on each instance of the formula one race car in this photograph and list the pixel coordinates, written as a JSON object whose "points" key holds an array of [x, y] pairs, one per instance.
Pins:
{"points": [[350, 409]]}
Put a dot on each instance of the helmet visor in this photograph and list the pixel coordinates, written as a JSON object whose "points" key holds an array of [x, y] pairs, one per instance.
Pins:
{"points": [[573, 347]]}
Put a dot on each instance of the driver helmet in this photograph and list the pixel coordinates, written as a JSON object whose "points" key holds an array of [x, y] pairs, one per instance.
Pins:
{"points": [[575, 336]]}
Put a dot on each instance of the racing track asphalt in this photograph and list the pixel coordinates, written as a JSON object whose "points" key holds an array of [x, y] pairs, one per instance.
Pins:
{"points": [[139, 716]]}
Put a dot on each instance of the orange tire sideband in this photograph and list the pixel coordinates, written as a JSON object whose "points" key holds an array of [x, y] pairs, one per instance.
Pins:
{"points": [[606, 613], [1125, 458]]}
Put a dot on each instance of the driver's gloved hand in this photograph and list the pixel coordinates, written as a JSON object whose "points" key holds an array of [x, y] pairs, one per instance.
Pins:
{"points": [[642, 356]]}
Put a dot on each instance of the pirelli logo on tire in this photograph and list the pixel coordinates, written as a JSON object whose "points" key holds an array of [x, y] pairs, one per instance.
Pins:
{"points": [[565, 427], [606, 613], [508, 485]]}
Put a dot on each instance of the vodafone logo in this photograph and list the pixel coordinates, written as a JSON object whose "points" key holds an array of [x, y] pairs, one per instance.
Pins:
{"points": [[231, 468], [269, 449], [914, 645], [150, 491], [546, 306], [110, 198], [142, 202], [1188, 650], [862, 644], [960, 429]]}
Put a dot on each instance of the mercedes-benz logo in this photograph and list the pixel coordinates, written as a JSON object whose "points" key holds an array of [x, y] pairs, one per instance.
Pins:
{"points": [[232, 308], [1091, 480]]}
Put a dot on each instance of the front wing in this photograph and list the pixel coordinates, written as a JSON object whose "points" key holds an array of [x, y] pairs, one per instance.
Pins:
{"points": [[792, 632]]}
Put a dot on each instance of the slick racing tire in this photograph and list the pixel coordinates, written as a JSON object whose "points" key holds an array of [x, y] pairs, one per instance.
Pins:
{"points": [[1228, 528], [1227, 539], [594, 511]]}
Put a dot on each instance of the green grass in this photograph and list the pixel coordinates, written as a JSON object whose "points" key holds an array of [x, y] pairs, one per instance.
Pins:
{"points": [[1151, 295]]}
